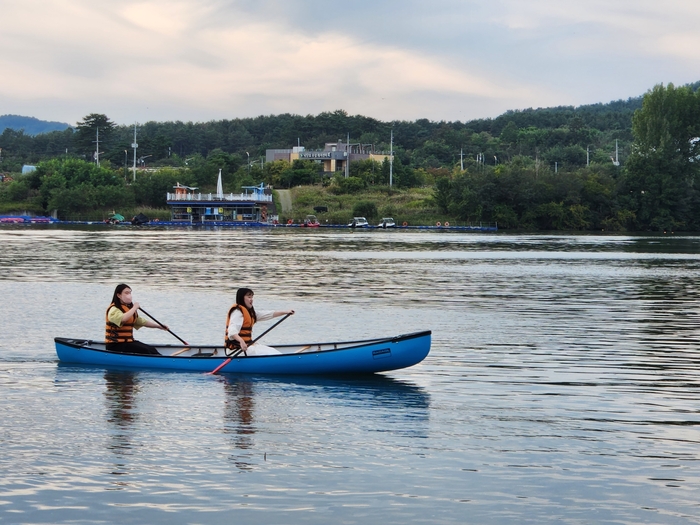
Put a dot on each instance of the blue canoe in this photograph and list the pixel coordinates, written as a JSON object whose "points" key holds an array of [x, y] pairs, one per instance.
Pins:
{"points": [[349, 357]]}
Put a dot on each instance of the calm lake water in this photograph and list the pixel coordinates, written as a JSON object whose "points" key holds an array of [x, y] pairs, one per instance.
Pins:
{"points": [[563, 384]]}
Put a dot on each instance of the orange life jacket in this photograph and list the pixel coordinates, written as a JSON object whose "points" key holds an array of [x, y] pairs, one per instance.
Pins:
{"points": [[246, 332], [119, 334]]}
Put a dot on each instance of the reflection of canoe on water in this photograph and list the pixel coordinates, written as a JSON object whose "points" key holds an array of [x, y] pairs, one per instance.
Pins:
{"points": [[349, 357], [395, 397]]}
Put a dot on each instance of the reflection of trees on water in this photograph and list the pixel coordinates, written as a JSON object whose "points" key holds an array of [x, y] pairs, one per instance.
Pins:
{"points": [[662, 243], [238, 416], [661, 329], [659, 305], [121, 388]]}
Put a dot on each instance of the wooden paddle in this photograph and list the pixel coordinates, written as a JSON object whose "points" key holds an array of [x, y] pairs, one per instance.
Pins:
{"points": [[251, 344], [169, 330]]}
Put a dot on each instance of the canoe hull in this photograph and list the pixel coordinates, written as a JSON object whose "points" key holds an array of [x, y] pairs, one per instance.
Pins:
{"points": [[362, 357]]}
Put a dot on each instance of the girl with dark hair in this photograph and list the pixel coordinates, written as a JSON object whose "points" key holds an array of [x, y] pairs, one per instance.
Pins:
{"points": [[121, 319], [239, 324]]}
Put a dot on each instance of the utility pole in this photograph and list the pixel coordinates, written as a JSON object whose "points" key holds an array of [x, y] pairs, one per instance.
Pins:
{"points": [[347, 157], [97, 148], [391, 160], [588, 156], [135, 146], [461, 159], [480, 161]]}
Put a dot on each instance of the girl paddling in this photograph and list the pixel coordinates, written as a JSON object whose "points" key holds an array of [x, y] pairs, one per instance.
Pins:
{"points": [[239, 324], [121, 319]]}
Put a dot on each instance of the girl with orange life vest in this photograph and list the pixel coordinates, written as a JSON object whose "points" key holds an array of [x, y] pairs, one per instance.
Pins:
{"points": [[121, 319], [239, 324]]}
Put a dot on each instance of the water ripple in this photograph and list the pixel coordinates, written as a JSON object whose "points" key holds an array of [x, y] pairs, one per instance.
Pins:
{"points": [[562, 385]]}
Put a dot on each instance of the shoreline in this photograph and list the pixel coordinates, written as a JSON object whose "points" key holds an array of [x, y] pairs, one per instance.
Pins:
{"points": [[26, 220]]}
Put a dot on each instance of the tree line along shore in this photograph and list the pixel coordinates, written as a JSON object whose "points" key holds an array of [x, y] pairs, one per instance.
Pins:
{"points": [[624, 166]]}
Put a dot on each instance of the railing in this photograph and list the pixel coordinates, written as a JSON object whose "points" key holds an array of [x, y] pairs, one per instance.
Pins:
{"points": [[214, 197]]}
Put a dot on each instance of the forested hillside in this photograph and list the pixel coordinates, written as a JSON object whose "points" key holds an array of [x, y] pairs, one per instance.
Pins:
{"points": [[560, 134], [625, 165]]}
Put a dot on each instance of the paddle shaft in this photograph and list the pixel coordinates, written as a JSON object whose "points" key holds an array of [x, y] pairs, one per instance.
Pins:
{"points": [[266, 331], [161, 324], [252, 342]]}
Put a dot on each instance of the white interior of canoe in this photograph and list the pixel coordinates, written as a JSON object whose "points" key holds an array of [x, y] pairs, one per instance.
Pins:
{"points": [[220, 351]]}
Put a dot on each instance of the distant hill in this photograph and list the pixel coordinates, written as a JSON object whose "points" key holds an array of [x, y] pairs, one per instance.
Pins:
{"points": [[30, 125], [569, 136]]}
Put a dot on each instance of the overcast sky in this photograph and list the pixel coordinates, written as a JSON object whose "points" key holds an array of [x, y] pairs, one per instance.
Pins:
{"points": [[200, 60]]}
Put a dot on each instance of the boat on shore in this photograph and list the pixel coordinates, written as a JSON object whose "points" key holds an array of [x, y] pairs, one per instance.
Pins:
{"points": [[311, 222], [348, 357], [358, 222]]}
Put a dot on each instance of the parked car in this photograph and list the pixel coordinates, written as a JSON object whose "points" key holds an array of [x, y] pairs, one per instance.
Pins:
{"points": [[387, 222], [358, 222]]}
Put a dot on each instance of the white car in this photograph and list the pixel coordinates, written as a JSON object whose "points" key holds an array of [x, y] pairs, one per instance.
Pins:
{"points": [[386, 222], [358, 222]]}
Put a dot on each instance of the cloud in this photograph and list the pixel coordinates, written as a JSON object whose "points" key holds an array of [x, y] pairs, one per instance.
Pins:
{"points": [[212, 59], [682, 45]]}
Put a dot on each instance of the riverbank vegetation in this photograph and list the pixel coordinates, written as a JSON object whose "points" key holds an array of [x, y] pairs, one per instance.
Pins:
{"points": [[414, 206], [628, 165]]}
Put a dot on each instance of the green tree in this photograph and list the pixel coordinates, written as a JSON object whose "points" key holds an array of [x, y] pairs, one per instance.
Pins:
{"points": [[367, 209], [301, 172], [151, 188], [368, 170], [74, 176], [663, 166], [274, 170], [87, 132], [441, 193], [15, 191], [342, 185]]}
